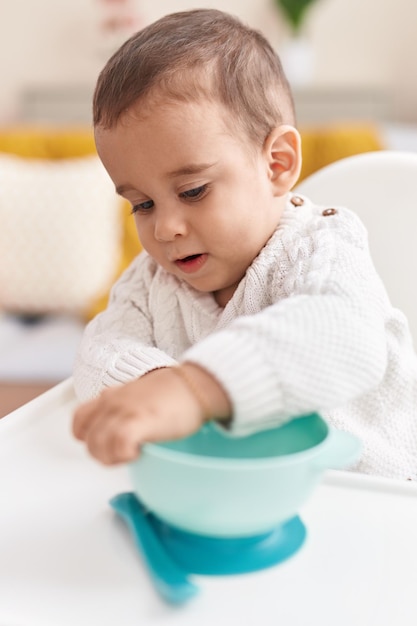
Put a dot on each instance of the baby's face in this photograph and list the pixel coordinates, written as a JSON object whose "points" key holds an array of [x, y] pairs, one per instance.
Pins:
{"points": [[203, 203]]}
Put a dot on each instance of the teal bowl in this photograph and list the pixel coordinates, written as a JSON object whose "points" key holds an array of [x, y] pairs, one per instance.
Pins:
{"points": [[219, 485]]}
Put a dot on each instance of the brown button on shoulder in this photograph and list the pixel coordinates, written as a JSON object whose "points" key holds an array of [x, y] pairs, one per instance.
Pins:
{"points": [[327, 212], [297, 201]]}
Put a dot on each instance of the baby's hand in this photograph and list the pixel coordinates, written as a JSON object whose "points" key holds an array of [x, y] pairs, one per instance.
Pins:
{"points": [[159, 406]]}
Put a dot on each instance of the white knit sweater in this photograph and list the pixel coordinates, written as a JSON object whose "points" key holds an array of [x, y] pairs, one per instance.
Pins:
{"points": [[309, 328]]}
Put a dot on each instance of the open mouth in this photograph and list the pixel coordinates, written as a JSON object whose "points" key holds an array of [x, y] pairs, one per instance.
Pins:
{"points": [[189, 258], [191, 263]]}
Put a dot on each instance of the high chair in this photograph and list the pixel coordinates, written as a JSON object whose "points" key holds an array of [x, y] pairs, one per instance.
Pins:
{"points": [[67, 559], [381, 187]]}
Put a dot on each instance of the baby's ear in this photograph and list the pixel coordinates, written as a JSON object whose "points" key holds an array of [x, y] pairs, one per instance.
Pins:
{"points": [[282, 150]]}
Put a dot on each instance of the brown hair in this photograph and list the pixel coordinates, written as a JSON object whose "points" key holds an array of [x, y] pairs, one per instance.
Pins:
{"points": [[193, 54]]}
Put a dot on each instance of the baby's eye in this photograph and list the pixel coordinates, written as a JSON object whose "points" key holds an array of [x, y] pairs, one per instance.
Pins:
{"points": [[143, 206], [194, 194]]}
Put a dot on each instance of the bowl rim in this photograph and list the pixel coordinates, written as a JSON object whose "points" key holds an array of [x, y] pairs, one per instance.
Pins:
{"points": [[156, 450]]}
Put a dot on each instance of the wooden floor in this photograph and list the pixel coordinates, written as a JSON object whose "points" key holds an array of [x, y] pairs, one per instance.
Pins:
{"points": [[13, 395]]}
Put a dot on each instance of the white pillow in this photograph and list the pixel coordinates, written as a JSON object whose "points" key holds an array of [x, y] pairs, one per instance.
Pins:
{"points": [[60, 233]]}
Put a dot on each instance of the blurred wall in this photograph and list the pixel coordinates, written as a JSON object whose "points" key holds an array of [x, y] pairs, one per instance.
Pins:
{"points": [[356, 42]]}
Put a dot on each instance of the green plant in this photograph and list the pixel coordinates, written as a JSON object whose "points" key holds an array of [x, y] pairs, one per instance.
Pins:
{"points": [[294, 11]]}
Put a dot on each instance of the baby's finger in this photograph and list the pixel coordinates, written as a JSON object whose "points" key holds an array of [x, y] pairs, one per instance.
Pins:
{"points": [[115, 439], [83, 418], [121, 440]]}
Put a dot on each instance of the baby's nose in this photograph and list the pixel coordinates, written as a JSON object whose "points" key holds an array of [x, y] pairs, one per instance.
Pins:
{"points": [[169, 223]]}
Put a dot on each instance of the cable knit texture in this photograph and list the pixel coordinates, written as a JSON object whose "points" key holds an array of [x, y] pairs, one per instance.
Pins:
{"points": [[309, 328]]}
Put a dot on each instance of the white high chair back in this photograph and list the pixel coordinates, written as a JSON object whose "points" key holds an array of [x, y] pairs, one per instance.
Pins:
{"points": [[381, 187]]}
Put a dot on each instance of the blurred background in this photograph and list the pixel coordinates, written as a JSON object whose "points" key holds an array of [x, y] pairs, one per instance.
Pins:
{"points": [[52, 48], [64, 236]]}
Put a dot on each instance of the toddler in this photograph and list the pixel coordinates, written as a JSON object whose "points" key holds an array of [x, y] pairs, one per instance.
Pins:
{"points": [[249, 304]]}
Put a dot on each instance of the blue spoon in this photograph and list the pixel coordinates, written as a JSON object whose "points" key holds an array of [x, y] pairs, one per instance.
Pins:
{"points": [[169, 579]]}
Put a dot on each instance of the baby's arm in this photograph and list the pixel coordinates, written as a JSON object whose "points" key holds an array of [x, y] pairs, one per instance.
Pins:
{"points": [[296, 357], [118, 345], [167, 403], [159, 400]]}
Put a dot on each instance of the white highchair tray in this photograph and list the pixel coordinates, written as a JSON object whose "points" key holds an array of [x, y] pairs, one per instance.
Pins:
{"points": [[66, 559]]}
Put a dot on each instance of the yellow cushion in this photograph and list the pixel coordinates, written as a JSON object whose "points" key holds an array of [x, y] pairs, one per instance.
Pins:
{"points": [[47, 143], [322, 145]]}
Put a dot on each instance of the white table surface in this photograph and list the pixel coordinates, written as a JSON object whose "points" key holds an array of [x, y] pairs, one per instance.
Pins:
{"points": [[67, 560]]}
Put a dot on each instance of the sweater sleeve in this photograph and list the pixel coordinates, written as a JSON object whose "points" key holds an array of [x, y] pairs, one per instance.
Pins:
{"points": [[317, 349], [118, 344]]}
